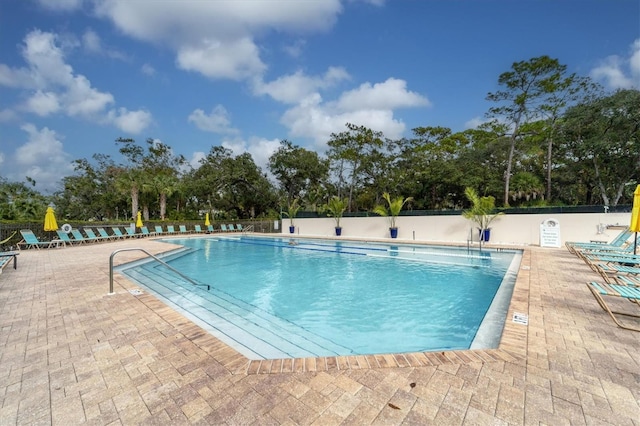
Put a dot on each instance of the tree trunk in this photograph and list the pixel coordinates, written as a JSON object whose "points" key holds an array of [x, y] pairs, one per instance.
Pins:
{"points": [[134, 202], [603, 190], [549, 151], [163, 205], [507, 178]]}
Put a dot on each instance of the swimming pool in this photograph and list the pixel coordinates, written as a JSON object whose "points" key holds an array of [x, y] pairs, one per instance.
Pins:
{"points": [[272, 299]]}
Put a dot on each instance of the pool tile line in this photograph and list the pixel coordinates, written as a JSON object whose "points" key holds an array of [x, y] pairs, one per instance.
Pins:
{"points": [[512, 347]]}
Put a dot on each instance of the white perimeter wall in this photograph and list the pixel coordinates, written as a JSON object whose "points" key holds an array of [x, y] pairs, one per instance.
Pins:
{"points": [[518, 229]]}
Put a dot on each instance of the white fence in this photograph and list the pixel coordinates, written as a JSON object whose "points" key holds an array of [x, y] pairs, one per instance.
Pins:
{"points": [[517, 229]]}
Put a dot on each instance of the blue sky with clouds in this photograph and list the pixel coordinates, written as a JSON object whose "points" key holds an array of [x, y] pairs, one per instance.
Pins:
{"points": [[77, 74]]}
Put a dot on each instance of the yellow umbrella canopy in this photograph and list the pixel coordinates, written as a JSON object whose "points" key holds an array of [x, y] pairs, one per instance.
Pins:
{"points": [[50, 223], [635, 213], [207, 222], [139, 223]]}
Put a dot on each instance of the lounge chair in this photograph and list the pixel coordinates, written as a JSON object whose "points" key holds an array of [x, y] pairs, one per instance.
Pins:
{"points": [[159, 230], [117, 232], [64, 237], [631, 293], [31, 241], [198, 228], [78, 237], [131, 233], [171, 229], [231, 228], [183, 229], [239, 227], [104, 235], [6, 257], [224, 228], [617, 242], [91, 236], [210, 228], [144, 231]]}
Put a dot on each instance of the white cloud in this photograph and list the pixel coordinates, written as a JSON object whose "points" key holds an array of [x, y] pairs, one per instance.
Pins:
{"points": [[133, 122], [295, 87], [43, 103], [217, 38], [296, 48], [216, 122], [620, 73], [369, 105], [234, 60], [259, 148], [91, 41], [390, 94], [475, 122], [55, 88], [42, 158], [148, 70]]}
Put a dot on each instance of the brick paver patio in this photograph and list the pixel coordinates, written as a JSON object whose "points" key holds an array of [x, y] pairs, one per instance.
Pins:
{"points": [[72, 354]]}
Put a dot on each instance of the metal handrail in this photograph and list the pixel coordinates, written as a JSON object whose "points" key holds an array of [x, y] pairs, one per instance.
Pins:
{"points": [[246, 229], [155, 258]]}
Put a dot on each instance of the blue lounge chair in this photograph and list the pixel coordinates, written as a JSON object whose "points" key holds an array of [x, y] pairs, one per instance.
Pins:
{"points": [[224, 228], [239, 227], [198, 228], [171, 229], [91, 236], [132, 232], [183, 229], [104, 235], [231, 228], [629, 292], [31, 241], [210, 228], [617, 242], [78, 237], [159, 230], [64, 237], [6, 257], [144, 231], [117, 232]]}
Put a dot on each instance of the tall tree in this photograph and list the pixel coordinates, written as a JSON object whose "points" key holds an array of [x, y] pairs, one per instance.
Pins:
{"points": [[297, 169], [605, 134], [353, 152], [526, 89]]}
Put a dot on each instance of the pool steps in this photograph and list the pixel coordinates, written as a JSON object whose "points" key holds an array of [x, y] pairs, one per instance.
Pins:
{"points": [[248, 326]]}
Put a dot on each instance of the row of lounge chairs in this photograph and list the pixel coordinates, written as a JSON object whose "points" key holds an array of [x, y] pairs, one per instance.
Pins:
{"points": [[76, 237], [618, 267]]}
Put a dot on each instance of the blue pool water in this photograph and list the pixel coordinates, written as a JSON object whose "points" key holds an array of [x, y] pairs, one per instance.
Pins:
{"points": [[271, 299]]}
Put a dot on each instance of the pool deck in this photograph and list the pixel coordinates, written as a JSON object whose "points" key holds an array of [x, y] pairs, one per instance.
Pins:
{"points": [[70, 353]]}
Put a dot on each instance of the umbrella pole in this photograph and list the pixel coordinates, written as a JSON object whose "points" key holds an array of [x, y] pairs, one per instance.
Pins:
{"points": [[635, 243]]}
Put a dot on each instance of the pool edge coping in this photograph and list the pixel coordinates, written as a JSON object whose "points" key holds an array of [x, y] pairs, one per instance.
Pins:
{"points": [[512, 346]]}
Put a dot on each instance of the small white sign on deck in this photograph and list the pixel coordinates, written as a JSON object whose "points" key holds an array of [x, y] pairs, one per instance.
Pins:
{"points": [[550, 233], [519, 318]]}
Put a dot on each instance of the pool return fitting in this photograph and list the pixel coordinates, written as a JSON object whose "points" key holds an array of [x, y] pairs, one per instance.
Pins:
{"points": [[155, 258]]}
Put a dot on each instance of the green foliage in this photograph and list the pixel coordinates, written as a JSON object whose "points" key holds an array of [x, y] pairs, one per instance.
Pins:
{"points": [[392, 209], [292, 210], [482, 209], [336, 208]]}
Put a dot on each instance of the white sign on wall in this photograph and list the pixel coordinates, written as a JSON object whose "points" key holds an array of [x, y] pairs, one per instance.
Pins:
{"points": [[550, 233]]}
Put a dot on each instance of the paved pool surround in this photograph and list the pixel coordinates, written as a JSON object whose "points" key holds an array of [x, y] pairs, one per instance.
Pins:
{"points": [[71, 353]]}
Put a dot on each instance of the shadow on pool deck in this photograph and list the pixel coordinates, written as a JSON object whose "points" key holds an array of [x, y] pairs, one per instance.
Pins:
{"points": [[71, 353]]}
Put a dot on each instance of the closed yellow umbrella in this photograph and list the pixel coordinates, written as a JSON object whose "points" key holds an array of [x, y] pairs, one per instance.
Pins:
{"points": [[207, 222], [50, 223], [635, 217], [139, 223]]}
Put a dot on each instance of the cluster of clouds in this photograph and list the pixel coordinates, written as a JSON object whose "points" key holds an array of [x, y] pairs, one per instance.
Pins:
{"points": [[218, 40]]}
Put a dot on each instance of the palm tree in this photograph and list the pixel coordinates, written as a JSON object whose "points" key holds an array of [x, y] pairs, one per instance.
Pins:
{"points": [[393, 209]]}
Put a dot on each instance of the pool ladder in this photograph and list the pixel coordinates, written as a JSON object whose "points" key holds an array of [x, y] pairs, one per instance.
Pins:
{"points": [[155, 258]]}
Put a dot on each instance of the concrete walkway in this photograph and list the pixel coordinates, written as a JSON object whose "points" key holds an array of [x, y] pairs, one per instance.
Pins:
{"points": [[72, 354]]}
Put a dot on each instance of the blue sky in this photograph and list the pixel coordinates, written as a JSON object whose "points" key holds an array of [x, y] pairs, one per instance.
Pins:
{"points": [[77, 74]]}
